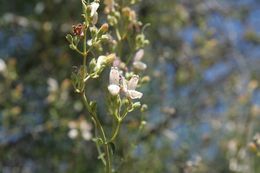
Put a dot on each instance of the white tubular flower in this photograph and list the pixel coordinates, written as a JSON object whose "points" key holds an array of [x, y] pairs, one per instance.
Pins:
{"points": [[139, 55], [138, 64], [94, 6], [114, 78], [131, 86], [95, 18]]}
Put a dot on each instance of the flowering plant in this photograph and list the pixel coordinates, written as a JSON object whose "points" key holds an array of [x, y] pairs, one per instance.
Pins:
{"points": [[117, 44]]}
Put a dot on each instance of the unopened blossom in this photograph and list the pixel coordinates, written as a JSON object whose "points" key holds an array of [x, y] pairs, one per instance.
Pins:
{"points": [[119, 64], [103, 60], [138, 64], [110, 5], [114, 78]]}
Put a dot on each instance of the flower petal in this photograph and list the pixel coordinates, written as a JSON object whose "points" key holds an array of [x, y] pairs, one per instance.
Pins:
{"points": [[113, 89], [132, 84], [94, 7], [114, 76], [124, 84], [139, 65], [133, 94], [139, 55]]}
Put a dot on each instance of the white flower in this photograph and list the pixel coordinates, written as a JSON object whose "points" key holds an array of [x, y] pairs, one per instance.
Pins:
{"points": [[95, 18], [73, 133], [52, 85], [86, 135], [131, 86], [138, 64], [139, 55], [94, 6], [2, 66], [114, 78], [100, 61], [118, 82]]}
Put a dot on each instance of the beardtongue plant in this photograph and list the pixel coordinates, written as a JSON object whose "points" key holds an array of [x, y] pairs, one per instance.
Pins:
{"points": [[117, 44]]}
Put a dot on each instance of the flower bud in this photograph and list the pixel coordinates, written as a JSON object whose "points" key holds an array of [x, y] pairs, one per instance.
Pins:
{"points": [[69, 38], [136, 105], [94, 18], [114, 89], [145, 79], [144, 108], [110, 58], [104, 28], [139, 65], [252, 147]]}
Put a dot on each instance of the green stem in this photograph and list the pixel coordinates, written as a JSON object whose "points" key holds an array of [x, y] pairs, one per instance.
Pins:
{"points": [[85, 52], [103, 136], [81, 53], [100, 154], [116, 132]]}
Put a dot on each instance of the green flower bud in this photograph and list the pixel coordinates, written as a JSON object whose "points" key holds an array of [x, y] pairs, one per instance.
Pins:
{"points": [[69, 38], [144, 108], [136, 105]]}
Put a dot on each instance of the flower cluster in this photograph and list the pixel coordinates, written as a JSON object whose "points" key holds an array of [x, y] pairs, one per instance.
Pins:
{"points": [[102, 46], [119, 83]]}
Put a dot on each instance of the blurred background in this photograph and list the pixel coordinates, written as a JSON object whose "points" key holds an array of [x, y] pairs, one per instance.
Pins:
{"points": [[203, 96]]}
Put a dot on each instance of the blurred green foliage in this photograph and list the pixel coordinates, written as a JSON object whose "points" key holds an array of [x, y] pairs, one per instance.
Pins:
{"points": [[203, 94]]}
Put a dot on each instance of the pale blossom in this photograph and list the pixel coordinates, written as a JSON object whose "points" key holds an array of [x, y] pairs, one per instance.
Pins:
{"points": [[118, 82], [131, 86], [86, 135], [114, 78], [2, 65], [94, 6], [138, 64], [73, 133]]}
